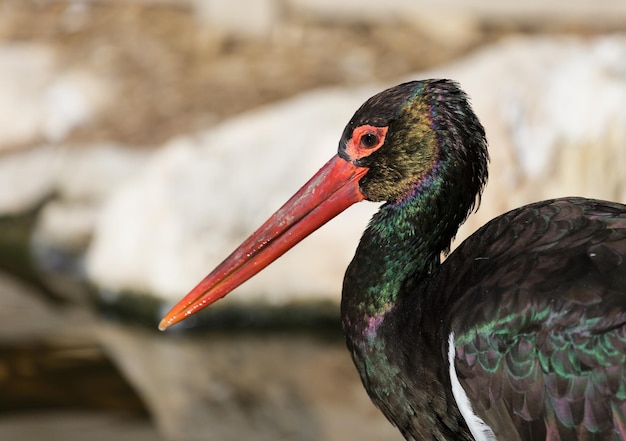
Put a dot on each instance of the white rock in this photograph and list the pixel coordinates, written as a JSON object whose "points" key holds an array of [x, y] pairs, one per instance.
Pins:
{"points": [[76, 179], [93, 172], [73, 174], [65, 226], [554, 117], [40, 99], [582, 11], [243, 18], [85, 178], [201, 195], [27, 177]]}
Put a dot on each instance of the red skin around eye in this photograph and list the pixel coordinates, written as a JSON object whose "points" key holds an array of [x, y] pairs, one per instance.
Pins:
{"points": [[355, 150]]}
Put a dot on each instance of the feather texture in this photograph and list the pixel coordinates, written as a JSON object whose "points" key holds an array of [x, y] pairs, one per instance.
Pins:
{"points": [[542, 319]]}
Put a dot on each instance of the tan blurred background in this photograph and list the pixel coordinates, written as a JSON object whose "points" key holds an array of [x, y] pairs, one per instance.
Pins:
{"points": [[141, 140]]}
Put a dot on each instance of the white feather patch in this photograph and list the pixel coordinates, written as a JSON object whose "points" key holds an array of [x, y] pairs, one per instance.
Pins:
{"points": [[480, 430]]}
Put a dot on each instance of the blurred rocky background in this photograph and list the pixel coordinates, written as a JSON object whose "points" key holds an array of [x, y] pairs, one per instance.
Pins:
{"points": [[141, 140]]}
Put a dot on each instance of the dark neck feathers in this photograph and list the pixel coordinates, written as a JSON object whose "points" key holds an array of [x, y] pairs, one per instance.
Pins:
{"points": [[398, 255]]}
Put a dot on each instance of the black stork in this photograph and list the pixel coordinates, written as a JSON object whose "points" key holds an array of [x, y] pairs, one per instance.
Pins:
{"points": [[519, 334]]}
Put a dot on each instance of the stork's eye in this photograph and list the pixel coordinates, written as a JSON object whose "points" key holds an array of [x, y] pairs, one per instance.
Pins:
{"points": [[365, 140], [369, 140]]}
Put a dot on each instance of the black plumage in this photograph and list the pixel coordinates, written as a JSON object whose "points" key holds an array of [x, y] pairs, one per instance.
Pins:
{"points": [[527, 317], [540, 320]]}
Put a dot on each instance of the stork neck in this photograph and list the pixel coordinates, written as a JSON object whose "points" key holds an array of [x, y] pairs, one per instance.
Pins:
{"points": [[386, 306], [399, 251]]}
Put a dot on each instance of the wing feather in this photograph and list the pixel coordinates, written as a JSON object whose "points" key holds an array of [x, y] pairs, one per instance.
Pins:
{"points": [[540, 320]]}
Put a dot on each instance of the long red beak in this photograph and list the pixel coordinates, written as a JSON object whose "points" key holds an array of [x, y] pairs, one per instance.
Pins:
{"points": [[330, 191]]}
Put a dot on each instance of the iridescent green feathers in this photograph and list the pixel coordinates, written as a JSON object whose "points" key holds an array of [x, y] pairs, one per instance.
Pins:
{"points": [[432, 135], [430, 171], [431, 125], [541, 324], [536, 299]]}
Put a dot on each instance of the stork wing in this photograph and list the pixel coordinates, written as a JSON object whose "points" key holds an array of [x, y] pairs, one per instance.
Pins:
{"points": [[540, 329]]}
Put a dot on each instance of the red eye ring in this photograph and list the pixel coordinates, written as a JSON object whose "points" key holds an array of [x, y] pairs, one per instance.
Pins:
{"points": [[365, 140]]}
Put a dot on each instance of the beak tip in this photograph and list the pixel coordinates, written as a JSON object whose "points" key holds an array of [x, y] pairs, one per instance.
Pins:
{"points": [[164, 324]]}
